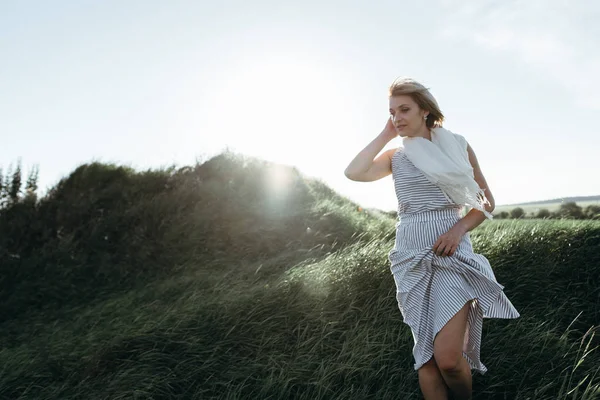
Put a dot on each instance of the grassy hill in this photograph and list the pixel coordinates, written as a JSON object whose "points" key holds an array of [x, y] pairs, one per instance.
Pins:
{"points": [[220, 281]]}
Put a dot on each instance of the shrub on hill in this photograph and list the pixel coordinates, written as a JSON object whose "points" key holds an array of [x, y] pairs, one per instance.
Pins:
{"points": [[107, 227]]}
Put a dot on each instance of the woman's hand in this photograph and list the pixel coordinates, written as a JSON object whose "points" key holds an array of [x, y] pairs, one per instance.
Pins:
{"points": [[389, 132], [448, 242]]}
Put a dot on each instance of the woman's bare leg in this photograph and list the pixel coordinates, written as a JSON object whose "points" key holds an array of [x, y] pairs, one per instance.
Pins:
{"points": [[431, 381], [447, 349]]}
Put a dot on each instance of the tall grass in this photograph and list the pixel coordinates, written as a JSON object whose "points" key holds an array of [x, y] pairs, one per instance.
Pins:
{"points": [[242, 300]]}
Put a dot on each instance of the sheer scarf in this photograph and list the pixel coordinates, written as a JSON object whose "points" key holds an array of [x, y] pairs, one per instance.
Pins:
{"points": [[445, 162]]}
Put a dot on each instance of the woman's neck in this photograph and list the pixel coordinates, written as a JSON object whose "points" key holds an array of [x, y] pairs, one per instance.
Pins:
{"points": [[425, 133]]}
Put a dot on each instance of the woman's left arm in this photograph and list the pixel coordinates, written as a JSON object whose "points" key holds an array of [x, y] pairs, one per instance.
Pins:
{"points": [[475, 217], [447, 243]]}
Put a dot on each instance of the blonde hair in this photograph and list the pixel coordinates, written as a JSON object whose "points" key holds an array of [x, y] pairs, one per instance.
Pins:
{"points": [[421, 95]]}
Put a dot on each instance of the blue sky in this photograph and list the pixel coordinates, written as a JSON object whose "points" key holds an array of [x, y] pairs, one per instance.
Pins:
{"points": [[150, 84]]}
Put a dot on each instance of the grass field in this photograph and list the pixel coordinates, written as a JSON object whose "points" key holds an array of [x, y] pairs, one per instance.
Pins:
{"points": [[312, 315]]}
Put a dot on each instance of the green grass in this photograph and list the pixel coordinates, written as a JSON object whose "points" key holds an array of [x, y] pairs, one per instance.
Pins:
{"points": [[313, 316]]}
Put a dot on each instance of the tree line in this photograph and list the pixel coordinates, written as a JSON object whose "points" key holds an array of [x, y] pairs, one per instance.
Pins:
{"points": [[567, 210], [12, 190]]}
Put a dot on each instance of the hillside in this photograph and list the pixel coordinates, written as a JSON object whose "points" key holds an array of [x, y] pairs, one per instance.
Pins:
{"points": [[106, 227], [239, 278]]}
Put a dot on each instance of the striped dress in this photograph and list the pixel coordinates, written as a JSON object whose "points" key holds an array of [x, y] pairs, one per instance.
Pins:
{"points": [[431, 289]]}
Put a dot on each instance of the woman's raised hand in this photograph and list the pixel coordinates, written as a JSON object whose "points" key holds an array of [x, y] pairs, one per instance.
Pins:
{"points": [[389, 132]]}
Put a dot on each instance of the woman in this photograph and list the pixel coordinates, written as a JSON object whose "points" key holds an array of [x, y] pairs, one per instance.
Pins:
{"points": [[444, 289]]}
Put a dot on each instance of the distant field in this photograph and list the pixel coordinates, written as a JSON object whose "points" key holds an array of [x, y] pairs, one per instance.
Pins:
{"points": [[534, 208]]}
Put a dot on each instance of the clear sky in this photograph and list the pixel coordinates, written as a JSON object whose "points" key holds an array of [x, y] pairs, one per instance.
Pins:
{"points": [[154, 83]]}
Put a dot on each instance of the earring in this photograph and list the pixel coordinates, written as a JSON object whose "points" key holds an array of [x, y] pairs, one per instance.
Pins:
{"points": [[425, 117]]}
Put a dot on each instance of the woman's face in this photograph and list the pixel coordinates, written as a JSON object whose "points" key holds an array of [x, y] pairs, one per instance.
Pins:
{"points": [[407, 117]]}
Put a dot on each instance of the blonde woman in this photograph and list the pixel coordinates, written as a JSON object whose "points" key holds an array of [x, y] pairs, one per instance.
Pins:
{"points": [[444, 289]]}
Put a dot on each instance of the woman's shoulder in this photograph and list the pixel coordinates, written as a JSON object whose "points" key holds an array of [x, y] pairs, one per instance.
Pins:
{"points": [[457, 136], [396, 154], [398, 151]]}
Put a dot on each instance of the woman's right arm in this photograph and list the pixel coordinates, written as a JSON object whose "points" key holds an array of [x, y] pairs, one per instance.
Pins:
{"points": [[363, 168]]}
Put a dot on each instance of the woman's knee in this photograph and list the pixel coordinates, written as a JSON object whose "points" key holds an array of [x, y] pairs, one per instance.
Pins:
{"points": [[449, 361], [439, 363]]}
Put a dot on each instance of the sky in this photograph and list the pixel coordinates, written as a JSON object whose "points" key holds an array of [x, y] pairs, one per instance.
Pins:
{"points": [[150, 84]]}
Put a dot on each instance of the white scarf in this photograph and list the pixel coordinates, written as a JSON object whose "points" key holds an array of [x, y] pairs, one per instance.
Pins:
{"points": [[445, 162]]}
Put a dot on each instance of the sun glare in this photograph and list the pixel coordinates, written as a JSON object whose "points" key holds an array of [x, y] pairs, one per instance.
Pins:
{"points": [[280, 178], [281, 183]]}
